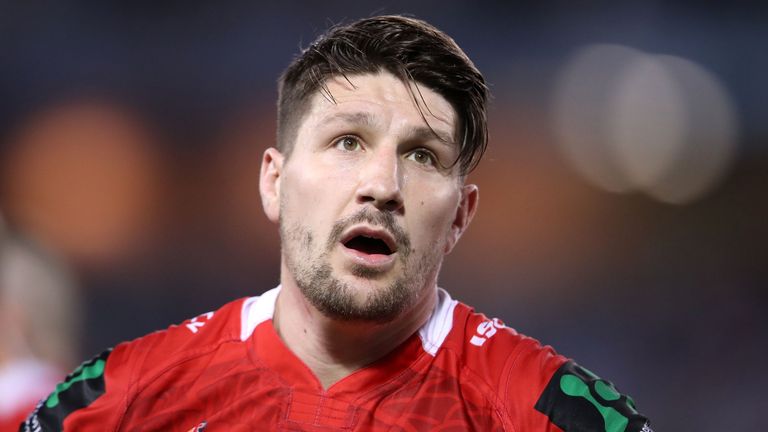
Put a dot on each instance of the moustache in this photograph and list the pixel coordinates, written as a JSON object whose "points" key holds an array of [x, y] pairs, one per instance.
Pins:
{"points": [[381, 219]]}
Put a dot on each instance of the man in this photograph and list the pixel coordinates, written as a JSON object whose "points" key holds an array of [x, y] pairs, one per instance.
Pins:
{"points": [[379, 122]]}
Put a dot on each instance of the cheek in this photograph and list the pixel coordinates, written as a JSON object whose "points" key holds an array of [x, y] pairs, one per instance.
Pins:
{"points": [[433, 215], [313, 194], [301, 196]]}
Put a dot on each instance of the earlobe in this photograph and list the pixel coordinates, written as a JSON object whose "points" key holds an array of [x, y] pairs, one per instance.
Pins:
{"points": [[269, 182], [470, 195]]}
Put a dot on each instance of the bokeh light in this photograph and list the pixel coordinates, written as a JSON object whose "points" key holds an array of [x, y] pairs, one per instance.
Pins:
{"points": [[631, 121], [82, 177]]}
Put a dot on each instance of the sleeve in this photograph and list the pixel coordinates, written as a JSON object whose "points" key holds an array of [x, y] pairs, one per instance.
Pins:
{"points": [[92, 398], [576, 400]]}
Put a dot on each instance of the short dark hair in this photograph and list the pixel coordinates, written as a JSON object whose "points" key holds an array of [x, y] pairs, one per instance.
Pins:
{"points": [[410, 49]]}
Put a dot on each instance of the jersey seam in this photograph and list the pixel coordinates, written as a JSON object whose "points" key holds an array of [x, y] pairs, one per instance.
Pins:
{"points": [[133, 383], [511, 360], [386, 387], [134, 379], [499, 405], [501, 413], [190, 355], [285, 421], [392, 381]]}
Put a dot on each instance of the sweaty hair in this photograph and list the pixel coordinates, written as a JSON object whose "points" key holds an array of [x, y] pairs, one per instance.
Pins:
{"points": [[408, 48]]}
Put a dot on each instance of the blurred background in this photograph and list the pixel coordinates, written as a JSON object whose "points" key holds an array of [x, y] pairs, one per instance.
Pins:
{"points": [[623, 207]]}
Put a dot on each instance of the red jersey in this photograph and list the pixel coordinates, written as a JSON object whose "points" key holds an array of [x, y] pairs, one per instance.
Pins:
{"points": [[229, 370]]}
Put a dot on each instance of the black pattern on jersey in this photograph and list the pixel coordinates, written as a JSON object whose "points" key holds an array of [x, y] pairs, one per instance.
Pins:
{"points": [[576, 400], [77, 391]]}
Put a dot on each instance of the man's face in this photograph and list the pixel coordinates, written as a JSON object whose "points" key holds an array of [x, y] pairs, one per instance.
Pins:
{"points": [[369, 201]]}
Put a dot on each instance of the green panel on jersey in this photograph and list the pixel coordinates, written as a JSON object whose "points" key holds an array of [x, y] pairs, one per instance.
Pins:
{"points": [[577, 400], [84, 372], [79, 389]]}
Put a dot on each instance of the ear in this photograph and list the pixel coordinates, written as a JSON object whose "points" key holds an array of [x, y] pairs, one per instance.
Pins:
{"points": [[470, 195], [269, 182]]}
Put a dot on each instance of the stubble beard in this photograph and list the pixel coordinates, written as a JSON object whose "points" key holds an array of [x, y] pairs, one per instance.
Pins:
{"points": [[335, 298]]}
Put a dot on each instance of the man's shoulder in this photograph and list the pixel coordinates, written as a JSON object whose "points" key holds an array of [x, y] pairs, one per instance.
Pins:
{"points": [[535, 385], [193, 334], [100, 389], [232, 322], [493, 351], [221, 332]]}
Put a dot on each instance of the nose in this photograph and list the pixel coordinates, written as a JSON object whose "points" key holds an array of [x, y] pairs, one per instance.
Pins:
{"points": [[379, 183]]}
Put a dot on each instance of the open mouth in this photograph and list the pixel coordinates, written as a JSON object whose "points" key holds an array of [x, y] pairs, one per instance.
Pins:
{"points": [[373, 243], [368, 245]]}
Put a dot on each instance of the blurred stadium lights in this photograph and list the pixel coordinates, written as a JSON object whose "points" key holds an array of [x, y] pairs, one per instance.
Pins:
{"points": [[82, 176], [632, 121]]}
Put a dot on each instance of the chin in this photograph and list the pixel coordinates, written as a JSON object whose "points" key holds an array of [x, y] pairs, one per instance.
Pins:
{"points": [[361, 287]]}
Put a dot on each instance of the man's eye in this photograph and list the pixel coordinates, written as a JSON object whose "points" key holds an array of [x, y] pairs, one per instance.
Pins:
{"points": [[422, 157], [348, 143]]}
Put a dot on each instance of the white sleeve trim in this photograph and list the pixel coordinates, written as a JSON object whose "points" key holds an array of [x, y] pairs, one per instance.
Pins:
{"points": [[256, 310], [439, 324]]}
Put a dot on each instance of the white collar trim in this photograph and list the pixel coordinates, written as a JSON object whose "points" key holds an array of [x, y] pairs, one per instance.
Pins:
{"points": [[256, 310], [261, 308], [439, 324]]}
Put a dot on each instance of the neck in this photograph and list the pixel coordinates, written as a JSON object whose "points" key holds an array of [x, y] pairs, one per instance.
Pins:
{"points": [[333, 349]]}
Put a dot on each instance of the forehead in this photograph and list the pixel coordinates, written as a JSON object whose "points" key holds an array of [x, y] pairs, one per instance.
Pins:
{"points": [[382, 97]]}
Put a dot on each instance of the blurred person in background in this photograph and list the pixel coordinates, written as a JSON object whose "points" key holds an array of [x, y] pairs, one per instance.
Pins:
{"points": [[379, 122], [39, 311]]}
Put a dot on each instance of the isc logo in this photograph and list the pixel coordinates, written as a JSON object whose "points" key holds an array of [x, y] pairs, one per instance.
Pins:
{"points": [[197, 322], [485, 330]]}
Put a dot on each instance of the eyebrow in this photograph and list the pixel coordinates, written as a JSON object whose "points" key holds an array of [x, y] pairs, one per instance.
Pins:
{"points": [[359, 118], [365, 119]]}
